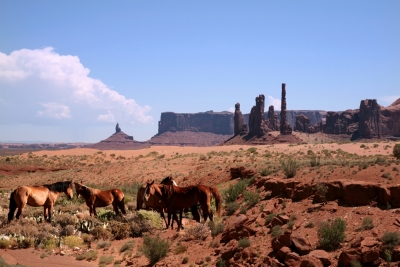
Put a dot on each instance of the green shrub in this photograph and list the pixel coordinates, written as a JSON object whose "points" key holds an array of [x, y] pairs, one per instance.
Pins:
{"points": [[119, 230], [231, 208], [309, 225], [103, 245], [289, 167], [73, 241], [244, 242], [4, 243], [90, 255], [216, 228], [391, 239], [105, 260], [276, 231], [265, 172], [153, 217], [251, 198], [233, 191], [128, 246], [331, 234], [180, 249], [220, 263], [355, 263], [269, 218], [387, 175], [367, 223], [396, 151], [154, 248], [315, 161]]}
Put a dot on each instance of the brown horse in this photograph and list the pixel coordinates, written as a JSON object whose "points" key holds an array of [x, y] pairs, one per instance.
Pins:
{"points": [[178, 198], [155, 202], [97, 198], [36, 196]]}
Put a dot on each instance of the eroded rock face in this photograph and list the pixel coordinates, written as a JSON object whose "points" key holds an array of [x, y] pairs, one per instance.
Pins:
{"points": [[272, 120], [302, 123], [257, 124], [390, 119], [285, 126], [370, 119], [117, 128], [213, 122], [240, 128], [343, 123]]}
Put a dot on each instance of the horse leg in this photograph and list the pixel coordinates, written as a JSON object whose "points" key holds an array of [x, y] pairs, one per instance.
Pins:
{"points": [[45, 213], [163, 216], [115, 206], [50, 210], [20, 210], [180, 226], [121, 205]]}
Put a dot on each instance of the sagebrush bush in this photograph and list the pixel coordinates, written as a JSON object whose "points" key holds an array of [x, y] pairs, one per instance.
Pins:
{"points": [[199, 231], [185, 260], [128, 246], [65, 219], [73, 241], [231, 208], [180, 248], [154, 248], [331, 234], [4, 243], [251, 198], [289, 167], [103, 245], [396, 151], [391, 239], [119, 230], [244, 242], [90, 255], [269, 218], [105, 260], [67, 230], [99, 233], [367, 223], [216, 228], [276, 231], [315, 161], [153, 217], [233, 191]]}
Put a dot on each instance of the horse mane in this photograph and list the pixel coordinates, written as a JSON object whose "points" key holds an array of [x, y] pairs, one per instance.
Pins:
{"points": [[168, 179], [58, 186], [89, 190], [167, 191]]}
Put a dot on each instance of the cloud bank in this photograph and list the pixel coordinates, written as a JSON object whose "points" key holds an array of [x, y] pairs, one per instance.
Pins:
{"points": [[43, 87], [273, 101]]}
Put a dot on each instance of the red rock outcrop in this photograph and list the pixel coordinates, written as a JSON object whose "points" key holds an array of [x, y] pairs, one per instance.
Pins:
{"points": [[272, 119], [302, 123], [119, 140], [370, 119], [212, 122], [257, 125], [390, 119], [285, 126], [343, 123], [240, 128]]}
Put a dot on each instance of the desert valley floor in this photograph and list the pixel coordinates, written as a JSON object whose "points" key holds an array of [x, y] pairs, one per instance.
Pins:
{"points": [[351, 181]]}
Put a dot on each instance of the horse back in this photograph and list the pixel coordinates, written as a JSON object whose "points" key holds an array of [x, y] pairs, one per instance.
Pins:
{"points": [[34, 196]]}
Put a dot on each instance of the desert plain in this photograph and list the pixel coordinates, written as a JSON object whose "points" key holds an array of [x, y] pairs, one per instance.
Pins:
{"points": [[269, 209]]}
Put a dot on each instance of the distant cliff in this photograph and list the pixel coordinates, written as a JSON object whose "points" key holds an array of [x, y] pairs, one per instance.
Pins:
{"points": [[315, 116], [212, 122]]}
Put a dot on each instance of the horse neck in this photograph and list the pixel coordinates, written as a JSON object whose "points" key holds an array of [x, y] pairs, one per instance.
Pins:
{"points": [[57, 187]]}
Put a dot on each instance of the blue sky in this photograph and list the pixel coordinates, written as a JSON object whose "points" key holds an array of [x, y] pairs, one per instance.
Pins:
{"points": [[69, 70]]}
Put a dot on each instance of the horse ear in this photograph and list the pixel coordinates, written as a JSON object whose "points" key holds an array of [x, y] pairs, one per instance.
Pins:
{"points": [[151, 183]]}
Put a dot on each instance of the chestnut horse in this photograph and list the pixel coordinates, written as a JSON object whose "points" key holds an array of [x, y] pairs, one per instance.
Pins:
{"points": [[155, 202], [97, 198], [36, 196], [178, 198]]}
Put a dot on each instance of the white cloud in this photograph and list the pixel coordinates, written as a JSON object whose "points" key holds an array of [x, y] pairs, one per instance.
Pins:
{"points": [[276, 102], [33, 79], [388, 100], [109, 117], [231, 109], [55, 111]]}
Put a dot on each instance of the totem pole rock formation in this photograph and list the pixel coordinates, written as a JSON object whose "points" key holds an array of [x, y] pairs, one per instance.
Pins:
{"points": [[285, 126], [257, 124], [117, 129], [272, 119], [240, 128]]}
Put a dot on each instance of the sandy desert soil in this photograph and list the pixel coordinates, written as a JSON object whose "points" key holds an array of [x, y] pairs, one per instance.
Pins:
{"points": [[369, 162]]}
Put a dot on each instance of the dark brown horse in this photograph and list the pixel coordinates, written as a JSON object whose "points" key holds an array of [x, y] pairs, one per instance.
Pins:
{"points": [[155, 202], [97, 198], [178, 198], [36, 196]]}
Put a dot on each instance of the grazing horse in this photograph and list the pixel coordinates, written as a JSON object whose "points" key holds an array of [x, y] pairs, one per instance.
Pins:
{"points": [[36, 196], [155, 202], [178, 198], [97, 198]]}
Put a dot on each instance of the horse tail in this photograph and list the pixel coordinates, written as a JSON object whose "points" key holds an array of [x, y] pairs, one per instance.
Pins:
{"points": [[218, 199], [122, 205], [13, 206], [139, 199], [195, 213]]}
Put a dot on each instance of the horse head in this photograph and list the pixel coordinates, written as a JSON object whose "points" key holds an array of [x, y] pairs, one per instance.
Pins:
{"points": [[169, 181], [148, 191], [80, 189], [69, 189]]}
